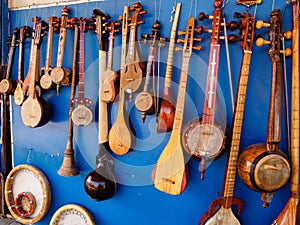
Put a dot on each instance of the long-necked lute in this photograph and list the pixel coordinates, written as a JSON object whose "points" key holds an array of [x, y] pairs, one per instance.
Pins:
{"points": [[167, 109], [35, 111], [264, 167], [169, 174], [220, 210], [100, 184], [290, 213]]}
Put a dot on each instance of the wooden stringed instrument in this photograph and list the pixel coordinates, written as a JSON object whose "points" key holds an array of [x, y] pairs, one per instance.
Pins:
{"points": [[100, 184], [60, 75], [220, 210], [119, 137], [45, 71], [206, 131], [169, 174], [131, 79], [35, 111], [19, 94], [290, 213], [6, 85], [109, 88], [167, 109], [82, 114], [264, 167], [145, 101]]}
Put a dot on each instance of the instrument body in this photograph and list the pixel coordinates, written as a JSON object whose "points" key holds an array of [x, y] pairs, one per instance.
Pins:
{"points": [[264, 167], [169, 174], [167, 109]]}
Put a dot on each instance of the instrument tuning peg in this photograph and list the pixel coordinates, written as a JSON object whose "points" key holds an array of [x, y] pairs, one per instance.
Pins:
{"points": [[260, 42], [261, 24], [141, 22], [234, 38], [198, 39], [202, 16], [180, 32], [117, 24], [106, 17], [178, 49], [198, 48], [288, 35], [286, 52], [237, 15], [145, 36], [143, 12], [233, 25], [117, 30], [180, 40], [199, 30]]}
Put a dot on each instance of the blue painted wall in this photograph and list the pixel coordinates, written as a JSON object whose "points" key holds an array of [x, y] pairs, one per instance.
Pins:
{"points": [[136, 200]]}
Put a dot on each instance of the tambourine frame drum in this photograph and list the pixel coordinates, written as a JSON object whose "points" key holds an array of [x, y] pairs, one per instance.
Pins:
{"points": [[28, 179]]}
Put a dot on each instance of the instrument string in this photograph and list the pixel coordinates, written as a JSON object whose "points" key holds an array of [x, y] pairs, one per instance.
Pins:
{"points": [[11, 131], [255, 10], [158, 18]]}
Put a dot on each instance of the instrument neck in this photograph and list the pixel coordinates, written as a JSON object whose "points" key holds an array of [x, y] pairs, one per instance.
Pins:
{"points": [[81, 67], [49, 48], [110, 51], [10, 57], [61, 47], [121, 102], [32, 71], [21, 61], [209, 109], [132, 45], [237, 126], [150, 64]]}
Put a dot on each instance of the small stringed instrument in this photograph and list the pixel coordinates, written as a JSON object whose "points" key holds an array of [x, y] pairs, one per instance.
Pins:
{"points": [[59, 75], [68, 167], [145, 102], [19, 94], [6, 85], [220, 210], [82, 114], [100, 184], [205, 131], [167, 109], [133, 71], [45, 72], [169, 174], [35, 111], [290, 213], [109, 88], [264, 167]]}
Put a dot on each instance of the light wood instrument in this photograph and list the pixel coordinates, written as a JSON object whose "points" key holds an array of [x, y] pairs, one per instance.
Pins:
{"points": [[68, 167], [290, 213], [35, 111], [167, 109], [109, 88], [19, 94], [131, 79], [169, 174], [82, 114], [206, 131], [60, 75], [100, 184], [120, 137], [264, 167], [145, 102], [45, 72], [220, 210]]}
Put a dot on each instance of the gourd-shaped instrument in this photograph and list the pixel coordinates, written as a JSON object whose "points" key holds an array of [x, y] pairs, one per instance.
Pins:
{"points": [[220, 210], [35, 111], [169, 174], [290, 213], [167, 109], [100, 184], [264, 167], [19, 94], [45, 72]]}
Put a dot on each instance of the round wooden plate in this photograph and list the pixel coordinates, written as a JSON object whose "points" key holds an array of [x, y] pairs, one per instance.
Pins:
{"points": [[31, 180], [72, 214]]}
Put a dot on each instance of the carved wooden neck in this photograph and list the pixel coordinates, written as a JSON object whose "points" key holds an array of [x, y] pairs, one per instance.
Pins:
{"points": [[49, 48], [237, 126], [208, 116], [21, 61], [81, 67], [11, 55], [110, 51], [132, 44], [32, 71], [62, 38], [124, 36]]}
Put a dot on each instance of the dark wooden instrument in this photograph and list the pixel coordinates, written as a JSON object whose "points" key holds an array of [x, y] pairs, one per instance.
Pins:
{"points": [[167, 109], [35, 111], [264, 167], [145, 101], [59, 75], [109, 88], [131, 79], [204, 137], [82, 114], [220, 210], [169, 174], [19, 94], [68, 167], [45, 72], [290, 213], [6, 85], [100, 184]]}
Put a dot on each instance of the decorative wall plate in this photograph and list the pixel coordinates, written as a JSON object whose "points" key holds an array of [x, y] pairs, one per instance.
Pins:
{"points": [[27, 194], [72, 214]]}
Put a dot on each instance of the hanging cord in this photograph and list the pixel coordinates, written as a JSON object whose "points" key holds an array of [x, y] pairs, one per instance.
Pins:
{"points": [[11, 132], [273, 4], [191, 6], [255, 10]]}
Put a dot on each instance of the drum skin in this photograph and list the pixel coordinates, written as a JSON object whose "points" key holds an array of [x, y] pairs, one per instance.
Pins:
{"points": [[263, 170]]}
